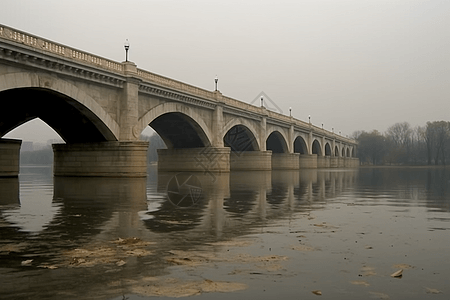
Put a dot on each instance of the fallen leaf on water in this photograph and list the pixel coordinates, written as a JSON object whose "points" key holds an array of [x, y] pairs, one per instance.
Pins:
{"points": [[433, 291], [317, 292], [26, 262], [397, 274]]}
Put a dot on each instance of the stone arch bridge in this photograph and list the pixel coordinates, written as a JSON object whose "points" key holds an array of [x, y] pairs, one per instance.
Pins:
{"points": [[100, 107]]}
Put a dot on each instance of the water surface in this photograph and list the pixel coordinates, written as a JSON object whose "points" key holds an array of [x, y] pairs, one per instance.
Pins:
{"points": [[341, 233]]}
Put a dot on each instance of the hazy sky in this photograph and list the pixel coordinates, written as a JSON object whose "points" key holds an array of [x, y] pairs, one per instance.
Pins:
{"points": [[352, 65]]}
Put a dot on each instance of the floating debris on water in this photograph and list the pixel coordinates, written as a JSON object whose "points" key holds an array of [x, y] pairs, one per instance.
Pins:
{"points": [[397, 274]]}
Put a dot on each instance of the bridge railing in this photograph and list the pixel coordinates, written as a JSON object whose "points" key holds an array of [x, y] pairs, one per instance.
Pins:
{"points": [[47, 46], [175, 84], [241, 105]]}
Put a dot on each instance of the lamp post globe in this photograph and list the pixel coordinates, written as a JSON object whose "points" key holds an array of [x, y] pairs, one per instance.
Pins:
{"points": [[126, 45]]}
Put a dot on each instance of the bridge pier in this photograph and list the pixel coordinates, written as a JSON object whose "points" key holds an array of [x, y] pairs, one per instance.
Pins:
{"points": [[9, 157], [285, 161], [106, 159], [334, 162], [308, 161], [9, 191], [251, 161], [351, 162], [323, 162], [207, 159]]}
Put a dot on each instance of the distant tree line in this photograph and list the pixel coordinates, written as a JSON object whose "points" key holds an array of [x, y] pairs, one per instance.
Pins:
{"points": [[403, 145]]}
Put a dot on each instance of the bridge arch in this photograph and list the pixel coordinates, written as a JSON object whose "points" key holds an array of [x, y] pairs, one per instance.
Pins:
{"points": [[282, 133], [244, 126], [276, 142], [327, 149], [316, 148], [239, 138], [70, 111], [174, 120], [300, 145], [336, 151]]}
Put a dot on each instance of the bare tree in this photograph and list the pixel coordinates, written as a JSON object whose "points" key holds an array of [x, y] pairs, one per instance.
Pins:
{"points": [[399, 138], [437, 137], [371, 147]]}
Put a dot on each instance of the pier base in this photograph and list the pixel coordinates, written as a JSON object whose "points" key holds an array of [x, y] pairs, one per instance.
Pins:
{"points": [[9, 157], [107, 159], [351, 162], [334, 162], [9, 191], [323, 162], [308, 161], [207, 159], [285, 161], [251, 161]]}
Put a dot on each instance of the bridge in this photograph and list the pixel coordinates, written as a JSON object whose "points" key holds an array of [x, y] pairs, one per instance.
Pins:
{"points": [[100, 107]]}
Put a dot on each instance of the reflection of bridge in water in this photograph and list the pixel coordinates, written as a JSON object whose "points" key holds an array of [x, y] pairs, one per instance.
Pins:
{"points": [[100, 107], [89, 208]]}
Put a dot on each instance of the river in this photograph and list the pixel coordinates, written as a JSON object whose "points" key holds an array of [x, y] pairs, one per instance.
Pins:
{"points": [[336, 234]]}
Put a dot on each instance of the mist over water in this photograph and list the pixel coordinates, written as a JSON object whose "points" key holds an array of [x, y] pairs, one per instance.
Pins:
{"points": [[250, 234]]}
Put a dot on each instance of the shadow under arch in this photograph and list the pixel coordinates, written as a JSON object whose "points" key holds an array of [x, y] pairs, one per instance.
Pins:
{"points": [[276, 143], [242, 126], [327, 149], [74, 122], [240, 138], [179, 131], [70, 111], [316, 149], [300, 146]]}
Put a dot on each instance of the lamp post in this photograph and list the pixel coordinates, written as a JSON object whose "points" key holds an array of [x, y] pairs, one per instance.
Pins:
{"points": [[309, 119], [322, 126], [262, 101], [126, 46], [290, 111], [216, 80]]}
